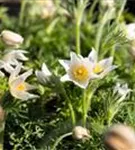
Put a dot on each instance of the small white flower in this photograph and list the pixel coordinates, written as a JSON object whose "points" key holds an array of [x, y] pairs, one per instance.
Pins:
{"points": [[11, 59], [18, 87], [11, 39], [130, 31], [122, 90], [44, 74], [79, 70], [103, 67]]}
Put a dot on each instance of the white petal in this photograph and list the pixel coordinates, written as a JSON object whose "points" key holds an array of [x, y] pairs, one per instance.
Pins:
{"points": [[105, 63], [65, 78], [74, 58], [65, 64], [46, 70], [25, 75], [15, 72], [29, 86], [93, 57], [82, 84], [42, 78], [106, 71], [23, 95]]}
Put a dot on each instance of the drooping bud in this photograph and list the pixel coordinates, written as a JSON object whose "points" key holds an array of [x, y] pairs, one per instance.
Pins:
{"points": [[11, 38], [80, 133], [120, 137]]}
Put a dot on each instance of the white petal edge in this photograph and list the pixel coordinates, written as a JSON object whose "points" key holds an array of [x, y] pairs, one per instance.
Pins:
{"points": [[65, 64]]}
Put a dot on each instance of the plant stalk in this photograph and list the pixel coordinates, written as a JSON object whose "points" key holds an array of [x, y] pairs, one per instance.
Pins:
{"points": [[60, 139]]}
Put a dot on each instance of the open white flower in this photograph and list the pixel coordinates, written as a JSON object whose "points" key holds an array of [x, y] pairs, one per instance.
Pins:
{"points": [[44, 74], [11, 38], [79, 70], [103, 67], [130, 31], [18, 87], [11, 59], [122, 89]]}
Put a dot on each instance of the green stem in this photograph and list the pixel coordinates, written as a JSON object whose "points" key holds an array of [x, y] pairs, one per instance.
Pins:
{"points": [[87, 96], [121, 11], [21, 16], [100, 32], [60, 139], [84, 109], [64, 94], [79, 14], [78, 44]]}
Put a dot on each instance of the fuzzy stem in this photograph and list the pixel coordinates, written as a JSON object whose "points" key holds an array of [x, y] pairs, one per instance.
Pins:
{"points": [[21, 16], [60, 139], [79, 14], [64, 94], [100, 32], [78, 44], [121, 11], [87, 96]]}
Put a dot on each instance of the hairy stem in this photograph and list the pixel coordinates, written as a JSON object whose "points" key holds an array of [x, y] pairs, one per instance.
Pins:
{"points": [[60, 139]]}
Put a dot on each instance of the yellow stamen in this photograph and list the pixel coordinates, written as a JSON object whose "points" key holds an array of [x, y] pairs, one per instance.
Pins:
{"points": [[98, 69], [21, 87], [80, 73]]}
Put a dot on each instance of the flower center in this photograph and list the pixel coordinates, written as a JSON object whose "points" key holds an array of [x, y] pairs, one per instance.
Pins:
{"points": [[98, 69], [80, 73], [21, 87]]}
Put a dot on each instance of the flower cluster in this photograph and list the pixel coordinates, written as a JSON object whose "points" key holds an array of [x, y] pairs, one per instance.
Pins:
{"points": [[11, 63], [81, 70]]}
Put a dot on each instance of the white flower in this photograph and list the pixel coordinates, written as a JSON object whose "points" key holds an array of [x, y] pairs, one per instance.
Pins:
{"points": [[11, 39], [18, 87], [80, 133], [79, 70], [130, 31], [103, 67], [12, 58], [44, 74], [122, 90]]}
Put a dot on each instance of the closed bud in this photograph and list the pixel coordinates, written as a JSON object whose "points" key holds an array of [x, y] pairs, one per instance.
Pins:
{"points": [[11, 39], [80, 133], [120, 137], [107, 3]]}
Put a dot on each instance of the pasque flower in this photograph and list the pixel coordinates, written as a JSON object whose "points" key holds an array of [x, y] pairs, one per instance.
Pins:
{"points": [[18, 87], [11, 38], [44, 74], [11, 59], [102, 67], [79, 70], [122, 89]]}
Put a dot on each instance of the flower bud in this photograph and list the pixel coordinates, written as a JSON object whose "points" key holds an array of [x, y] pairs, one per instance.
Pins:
{"points": [[80, 133], [11, 39], [120, 137], [48, 9], [107, 3]]}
